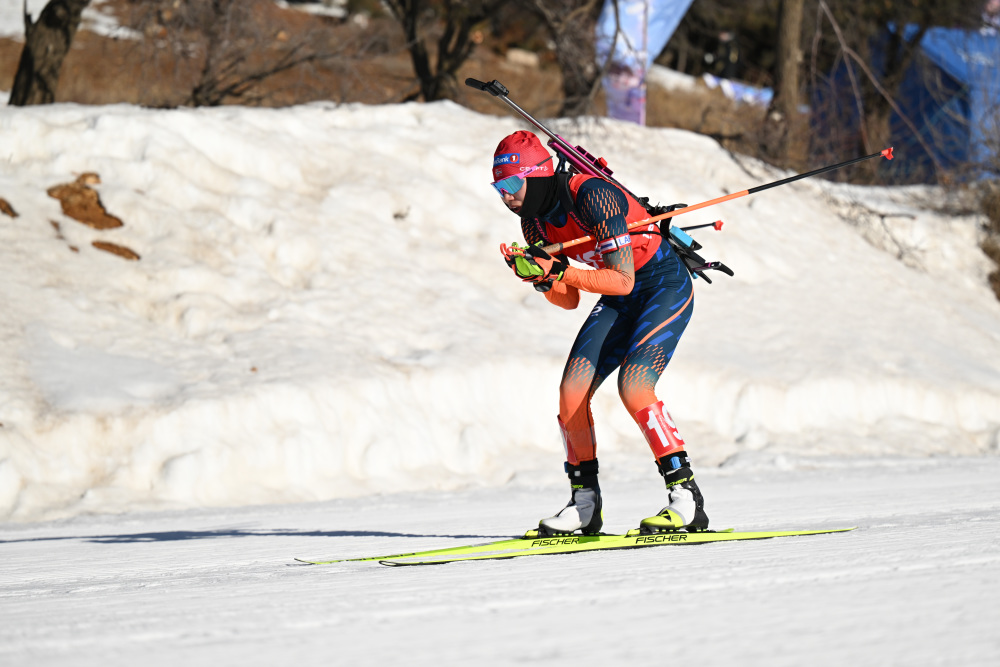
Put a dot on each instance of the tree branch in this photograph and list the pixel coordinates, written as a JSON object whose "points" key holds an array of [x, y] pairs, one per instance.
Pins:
{"points": [[878, 86]]}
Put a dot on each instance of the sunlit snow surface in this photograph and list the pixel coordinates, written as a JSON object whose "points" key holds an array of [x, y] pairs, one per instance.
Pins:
{"points": [[915, 584], [320, 310]]}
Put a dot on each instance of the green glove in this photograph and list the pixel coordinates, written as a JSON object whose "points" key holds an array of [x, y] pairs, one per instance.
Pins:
{"points": [[532, 264], [553, 267]]}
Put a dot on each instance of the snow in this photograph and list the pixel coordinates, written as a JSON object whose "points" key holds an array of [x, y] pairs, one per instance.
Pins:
{"points": [[320, 311], [97, 18], [332, 8], [670, 79], [674, 81], [915, 584], [321, 353]]}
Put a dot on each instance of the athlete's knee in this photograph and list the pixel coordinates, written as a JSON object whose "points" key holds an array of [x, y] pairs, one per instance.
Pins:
{"points": [[575, 394], [572, 401], [636, 387], [635, 400]]}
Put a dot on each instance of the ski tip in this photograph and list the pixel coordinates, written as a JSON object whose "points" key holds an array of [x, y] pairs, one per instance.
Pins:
{"points": [[317, 562], [887, 153]]}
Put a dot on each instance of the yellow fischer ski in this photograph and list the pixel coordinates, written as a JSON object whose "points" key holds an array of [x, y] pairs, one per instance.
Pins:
{"points": [[533, 544]]}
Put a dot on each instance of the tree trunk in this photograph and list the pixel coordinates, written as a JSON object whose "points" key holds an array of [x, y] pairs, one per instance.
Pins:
{"points": [[577, 62], [571, 24], [208, 92], [784, 106], [899, 55], [456, 18], [46, 43]]}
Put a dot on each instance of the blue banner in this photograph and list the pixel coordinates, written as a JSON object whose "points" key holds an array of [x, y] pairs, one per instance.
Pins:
{"points": [[643, 28]]}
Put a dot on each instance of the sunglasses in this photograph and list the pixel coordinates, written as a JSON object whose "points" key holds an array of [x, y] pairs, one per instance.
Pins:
{"points": [[513, 184]]}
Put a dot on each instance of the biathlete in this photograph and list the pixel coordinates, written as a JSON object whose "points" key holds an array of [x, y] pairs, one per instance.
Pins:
{"points": [[647, 300]]}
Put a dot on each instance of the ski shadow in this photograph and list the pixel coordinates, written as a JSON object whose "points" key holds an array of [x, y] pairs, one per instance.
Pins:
{"points": [[183, 535]]}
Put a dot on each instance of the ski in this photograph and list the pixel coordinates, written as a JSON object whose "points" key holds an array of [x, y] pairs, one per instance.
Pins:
{"points": [[513, 543], [533, 544]]}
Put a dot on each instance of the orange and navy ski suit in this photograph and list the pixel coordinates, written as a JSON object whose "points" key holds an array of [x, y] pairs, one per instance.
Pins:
{"points": [[638, 321]]}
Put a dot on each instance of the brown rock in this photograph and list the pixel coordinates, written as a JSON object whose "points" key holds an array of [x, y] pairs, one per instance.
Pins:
{"points": [[116, 249], [6, 208], [82, 203], [59, 235]]}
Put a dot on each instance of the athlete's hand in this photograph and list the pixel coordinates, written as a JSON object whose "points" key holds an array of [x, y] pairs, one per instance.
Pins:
{"points": [[553, 267], [532, 264]]}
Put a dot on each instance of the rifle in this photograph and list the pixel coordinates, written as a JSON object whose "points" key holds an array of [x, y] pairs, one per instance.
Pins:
{"points": [[576, 158]]}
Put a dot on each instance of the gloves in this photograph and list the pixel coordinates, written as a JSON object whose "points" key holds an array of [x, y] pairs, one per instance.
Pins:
{"points": [[554, 267], [532, 264]]}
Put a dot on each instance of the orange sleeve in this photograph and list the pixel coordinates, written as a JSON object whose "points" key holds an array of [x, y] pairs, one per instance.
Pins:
{"points": [[563, 295], [612, 282], [603, 207]]}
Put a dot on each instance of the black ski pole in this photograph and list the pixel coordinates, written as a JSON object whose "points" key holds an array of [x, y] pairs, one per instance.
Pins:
{"points": [[886, 153]]}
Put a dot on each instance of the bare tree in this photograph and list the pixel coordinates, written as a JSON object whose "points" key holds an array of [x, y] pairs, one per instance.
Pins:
{"points": [[571, 24], [783, 109], [861, 36], [229, 50], [46, 43], [453, 21]]}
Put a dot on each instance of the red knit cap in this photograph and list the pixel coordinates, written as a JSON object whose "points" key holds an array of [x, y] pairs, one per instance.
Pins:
{"points": [[519, 151]]}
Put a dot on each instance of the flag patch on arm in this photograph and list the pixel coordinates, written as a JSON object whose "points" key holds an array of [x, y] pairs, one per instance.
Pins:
{"points": [[612, 244]]}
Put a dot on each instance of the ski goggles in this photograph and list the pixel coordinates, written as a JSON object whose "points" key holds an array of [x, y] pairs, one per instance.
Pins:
{"points": [[511, 185]]}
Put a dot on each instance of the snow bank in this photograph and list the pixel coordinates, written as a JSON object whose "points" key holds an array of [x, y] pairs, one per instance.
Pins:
{"points": [[670, 79], [320, 311]]}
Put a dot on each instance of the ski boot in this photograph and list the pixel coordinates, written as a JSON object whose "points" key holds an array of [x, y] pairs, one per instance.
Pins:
{"points": [[583, 513], [687, 506]]}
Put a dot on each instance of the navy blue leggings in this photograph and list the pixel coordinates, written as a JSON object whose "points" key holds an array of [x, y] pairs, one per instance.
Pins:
{"points": [[637, 332]]}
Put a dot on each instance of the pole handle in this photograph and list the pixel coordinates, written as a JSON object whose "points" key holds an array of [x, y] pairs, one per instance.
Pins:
{"points": [[494, 87]]}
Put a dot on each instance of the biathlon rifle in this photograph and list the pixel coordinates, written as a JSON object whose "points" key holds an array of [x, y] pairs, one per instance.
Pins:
{"points": [[577, 159]]}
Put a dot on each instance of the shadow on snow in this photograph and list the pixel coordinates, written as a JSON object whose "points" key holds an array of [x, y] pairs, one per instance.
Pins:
{"points": [[176, 535]]}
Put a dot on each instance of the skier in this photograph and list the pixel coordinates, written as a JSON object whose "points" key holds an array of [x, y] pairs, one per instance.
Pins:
{"points": [[646, 303]]}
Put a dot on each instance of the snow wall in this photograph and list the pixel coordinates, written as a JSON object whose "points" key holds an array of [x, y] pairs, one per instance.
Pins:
{"points": [[320, 310]]}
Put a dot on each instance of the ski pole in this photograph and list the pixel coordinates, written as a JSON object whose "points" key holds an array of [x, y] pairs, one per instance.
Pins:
{"points": [[717, 225], [886, 153]]}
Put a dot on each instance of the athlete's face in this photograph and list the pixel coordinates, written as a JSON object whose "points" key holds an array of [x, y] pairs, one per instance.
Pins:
{"points": [[516, 200]]}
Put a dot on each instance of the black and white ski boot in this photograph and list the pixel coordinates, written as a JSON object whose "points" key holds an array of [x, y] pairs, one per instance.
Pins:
{"points": [[686, 510], [583, 513]]}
